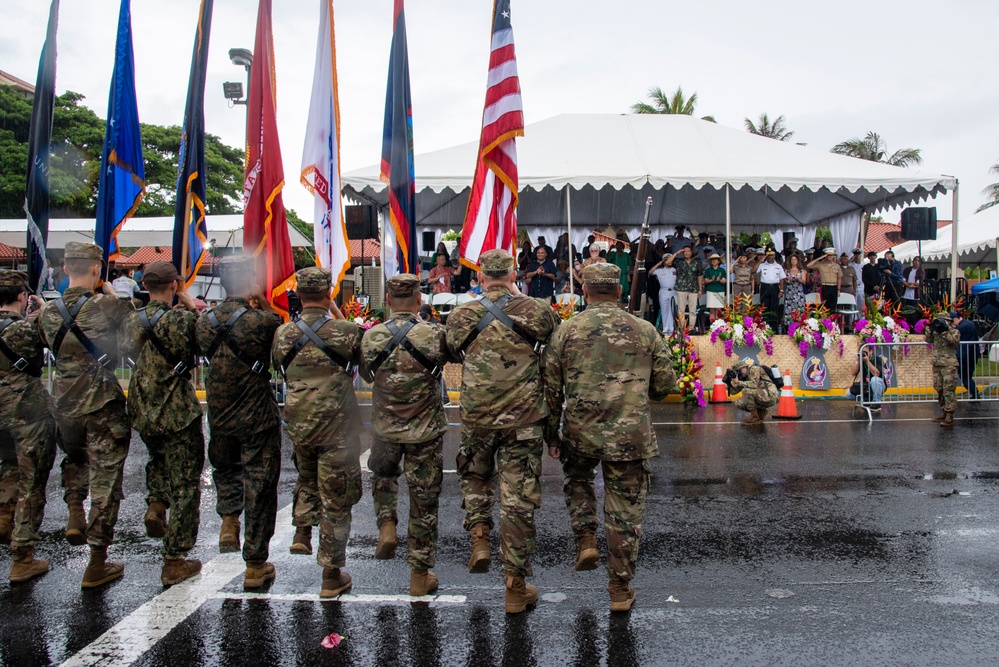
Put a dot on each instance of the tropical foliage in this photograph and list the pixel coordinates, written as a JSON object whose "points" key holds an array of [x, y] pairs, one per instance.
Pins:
{"points": [[687, 366], [742, 325], [873, 148], [772, 129], [992, 191], [814, 327], [883, 323], [669, 103]]}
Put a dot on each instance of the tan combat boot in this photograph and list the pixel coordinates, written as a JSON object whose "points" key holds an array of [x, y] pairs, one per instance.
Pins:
{"points": [[176, 570], [940, 417], [519, 594], [302, 542], [753, 419], [479, 561], [7, 522], [762, 414], [587, 556], [99, 571], [76, 527], [25, 565], [156, 520], [422, 582], [388, 540], [622, 595], [948, 418], [229, 534], [336, 582], [257, 572]]}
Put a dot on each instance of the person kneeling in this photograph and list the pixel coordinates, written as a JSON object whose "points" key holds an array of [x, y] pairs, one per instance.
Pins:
{"points": [[759, 393]]}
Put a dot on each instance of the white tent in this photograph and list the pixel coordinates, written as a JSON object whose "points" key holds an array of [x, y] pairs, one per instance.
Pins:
{"points": [[977, 239]]}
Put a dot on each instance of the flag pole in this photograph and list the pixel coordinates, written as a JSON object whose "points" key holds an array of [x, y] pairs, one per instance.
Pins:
{"points": [[568, 216], [187, 231]]}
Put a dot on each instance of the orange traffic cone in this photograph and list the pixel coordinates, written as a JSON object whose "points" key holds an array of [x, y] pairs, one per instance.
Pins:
{"points": [[786, 408], [719, 393]]}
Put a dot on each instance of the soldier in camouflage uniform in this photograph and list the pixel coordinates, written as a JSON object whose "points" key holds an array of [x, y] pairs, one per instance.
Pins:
{"points": [[26, 418], [408, 420], [759, 393], [166, 413], [322, 419], [245, 443], [604, 365], [945, 340], [89, 405], [505, 421]]}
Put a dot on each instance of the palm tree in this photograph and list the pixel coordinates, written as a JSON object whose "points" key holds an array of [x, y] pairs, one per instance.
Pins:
{"points": [[775, 130], [873, 148], [992, 192], [665, 103]]}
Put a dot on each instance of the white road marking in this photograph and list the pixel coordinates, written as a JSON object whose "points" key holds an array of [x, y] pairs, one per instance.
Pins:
{"points": [[823, 421], [356, 599]]}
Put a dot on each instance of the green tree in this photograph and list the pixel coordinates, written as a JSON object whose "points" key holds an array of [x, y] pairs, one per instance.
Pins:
{"points": [[992, 191], [764, 127], [664, 103], [872, 147]]}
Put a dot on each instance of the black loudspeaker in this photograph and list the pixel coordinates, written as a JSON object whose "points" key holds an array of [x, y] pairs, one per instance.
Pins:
{"points": [[919, 224], [788, 237], [428, 242], [931, 274], [362, 222]]}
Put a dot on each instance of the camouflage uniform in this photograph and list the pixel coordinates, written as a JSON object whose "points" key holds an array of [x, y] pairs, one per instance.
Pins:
{"points": [[408, 420], [245, 444], [26, 419], [758, 393], [323, 421], [166, 413], [504, 418], [605, 365], [944, 364], [89, 402]]}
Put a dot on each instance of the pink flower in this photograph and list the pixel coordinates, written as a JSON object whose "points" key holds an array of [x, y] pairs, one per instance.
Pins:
{"points": [[841, 349], [747, 322], [729, 344], [920, 326], [817, 337], [803, 348], [332, 641], [827, 323], [714, 336], [888, 336], [699, 391], [859, 326], [904, 325], [750, 338], [791, 329], [871, 339], [768, 345]]}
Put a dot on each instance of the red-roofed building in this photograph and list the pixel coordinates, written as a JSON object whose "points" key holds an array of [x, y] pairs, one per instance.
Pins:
{"points": [[371, 249], [20, 85], [11, 256], [884, 235]]}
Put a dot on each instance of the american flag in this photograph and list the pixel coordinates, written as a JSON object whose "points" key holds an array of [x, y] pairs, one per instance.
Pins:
{"points": [[491, 217]]}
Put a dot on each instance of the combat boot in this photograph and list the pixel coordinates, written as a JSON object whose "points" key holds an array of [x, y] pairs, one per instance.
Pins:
{"points": [[302, 542], [422, 582], [25, 565], [257, 572], [587, 556], [622, 595], [762, 414], [519, 594], [7, 522], [940, 417], [156, 520], [948, 418], [176, 570], [229, 534], [753, 419], [336, 582], [76, 527], [479, 562], [388, 540], [99, 571]]}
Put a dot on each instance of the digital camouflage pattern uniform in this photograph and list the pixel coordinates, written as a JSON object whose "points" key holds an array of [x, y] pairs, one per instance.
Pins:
{"points": [[166, 413], [408, 421], [323, 421], [758, 393], [943, 360], [504, 417], [605, 365], [89, 401], [245, 425], [26, 419]]}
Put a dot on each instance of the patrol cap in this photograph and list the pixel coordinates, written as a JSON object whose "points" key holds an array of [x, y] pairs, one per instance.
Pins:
{"points": [[403, 286], [742, 363], [13, 279], [602, 274], [160, 273], [497, 263], [237, 264], [314, 280], [943, 316], [78, 250]]}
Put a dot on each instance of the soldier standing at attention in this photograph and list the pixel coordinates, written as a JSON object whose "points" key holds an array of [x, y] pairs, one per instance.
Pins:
{"points": [[758, 392], [605, 365], [25, 413], [166, 413], [318, 355], [81, 330], [403, 358], [245, 444], [504, 418], [945, 341]]}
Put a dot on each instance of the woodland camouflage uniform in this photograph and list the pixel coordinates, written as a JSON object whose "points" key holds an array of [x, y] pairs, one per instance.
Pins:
{"points": [[944, 363]]}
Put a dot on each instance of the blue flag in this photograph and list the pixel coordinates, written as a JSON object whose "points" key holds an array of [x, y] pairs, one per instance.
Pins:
{"points": [[122, 179], [190, 231]]}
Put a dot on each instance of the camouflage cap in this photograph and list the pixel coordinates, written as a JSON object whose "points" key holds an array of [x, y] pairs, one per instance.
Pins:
{"points": [[13, 279], [742, 363], [496, 263], [160, 273], [237, 263], [403, 286], [77, 250], [602, 274], [314, 279]]}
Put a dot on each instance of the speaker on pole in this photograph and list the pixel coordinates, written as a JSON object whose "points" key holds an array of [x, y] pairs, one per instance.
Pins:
{"points": [[362, 222], [919, 223], [428, 242]]}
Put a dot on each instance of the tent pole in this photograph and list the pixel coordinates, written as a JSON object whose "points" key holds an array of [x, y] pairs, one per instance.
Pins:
{"points": [[863, 236], [568, 217], [953, 247], [728, 243]]}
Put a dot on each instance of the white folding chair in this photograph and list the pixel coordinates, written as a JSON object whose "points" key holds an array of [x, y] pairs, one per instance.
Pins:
{"points": [[463, 298], [846, 305], [425, 298], [813, 297], [443, 303], [756, 299]]}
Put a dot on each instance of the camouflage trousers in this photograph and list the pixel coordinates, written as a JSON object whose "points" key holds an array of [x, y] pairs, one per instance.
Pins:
{"points": [[245, 471], [751, 399], [173, 477], [945, 383], [424, 469], [626, 485], [27, 453], [516, 453], [96, 446]]}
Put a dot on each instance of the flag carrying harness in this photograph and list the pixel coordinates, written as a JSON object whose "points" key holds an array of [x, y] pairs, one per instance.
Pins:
{"points": [[311, 334], [494, 311], [181, 367], [400, 338], [223, 331], [69, 324], [17, 361]]}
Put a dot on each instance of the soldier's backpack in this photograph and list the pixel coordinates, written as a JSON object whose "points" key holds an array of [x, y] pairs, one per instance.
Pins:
{"points": [[17, 361], [400, 338], [257, 366], [494, 311], [311, 334]]}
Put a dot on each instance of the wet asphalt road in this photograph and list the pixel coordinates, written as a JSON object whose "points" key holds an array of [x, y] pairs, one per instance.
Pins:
{"points": [[832, 542]]}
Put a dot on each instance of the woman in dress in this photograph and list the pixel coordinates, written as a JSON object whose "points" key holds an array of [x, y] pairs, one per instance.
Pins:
{"points": [[440, 275], [715, 278], [794, 290]]}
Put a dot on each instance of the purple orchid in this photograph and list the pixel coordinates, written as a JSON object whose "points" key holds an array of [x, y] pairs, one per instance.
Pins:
{"points": [[791, 329], [861, 323], [729, 344], [803, 348]]}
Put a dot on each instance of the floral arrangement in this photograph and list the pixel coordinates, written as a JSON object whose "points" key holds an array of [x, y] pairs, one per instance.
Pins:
{"points": [[813, 327], [883, 324], [564, 309], [451, 235], [360, 315], [742, 325], [687, 365], [942, 307]]}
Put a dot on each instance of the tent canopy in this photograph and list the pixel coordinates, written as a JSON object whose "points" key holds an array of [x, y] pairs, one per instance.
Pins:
{"points": [[976, 241], [987, 286], [614, 162]]}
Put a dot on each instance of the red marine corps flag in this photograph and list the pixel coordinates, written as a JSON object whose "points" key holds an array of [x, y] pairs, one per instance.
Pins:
{"points": [[491, 218], [265, 226]]}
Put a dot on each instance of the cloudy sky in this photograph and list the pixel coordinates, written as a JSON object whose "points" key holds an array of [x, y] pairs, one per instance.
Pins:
{"points": [[919, 73]]}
